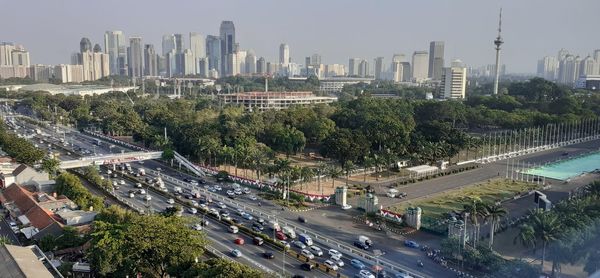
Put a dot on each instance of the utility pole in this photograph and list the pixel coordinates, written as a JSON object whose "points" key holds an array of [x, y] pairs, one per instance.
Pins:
{"points": [[498, 42]]}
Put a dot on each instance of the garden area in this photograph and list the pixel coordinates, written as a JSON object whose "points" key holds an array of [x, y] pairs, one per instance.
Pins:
{"points": [[454, 200]]}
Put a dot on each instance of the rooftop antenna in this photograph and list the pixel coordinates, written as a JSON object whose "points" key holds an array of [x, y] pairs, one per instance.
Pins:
{"points": [[498, 42]]}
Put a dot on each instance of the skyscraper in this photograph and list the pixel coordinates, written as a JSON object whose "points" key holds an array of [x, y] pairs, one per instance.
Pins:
{"points": [[115, 46], [547, 68], [85, 45], [250, 63], [420, 66], [135, 59], [353, 66], [20, 57], [213, 52], [97, 48], [587, 66], [150, 60], [227, 35], [261, 66], [397, 69], [454, 82], [6, 53], [568, 69], [379, 68], [436, 60], [363, 68], [188, 62], [284, 54], [168, 44], [198, 47]]}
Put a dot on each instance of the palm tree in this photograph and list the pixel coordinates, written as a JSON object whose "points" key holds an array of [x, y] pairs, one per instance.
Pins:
{"points": [[526, 236], [306, 175], [348, 165], [333, 172], [321, 169], [594, 189], [547, 228], [493, 213], [4, 240], [367, 163], [475, 208]]}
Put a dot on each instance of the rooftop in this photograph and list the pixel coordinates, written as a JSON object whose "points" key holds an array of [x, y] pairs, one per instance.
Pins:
{"points": [[24, 262]]}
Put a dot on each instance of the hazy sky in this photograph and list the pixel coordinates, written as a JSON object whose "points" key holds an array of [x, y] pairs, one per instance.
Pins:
{"points": [[337, 29]]}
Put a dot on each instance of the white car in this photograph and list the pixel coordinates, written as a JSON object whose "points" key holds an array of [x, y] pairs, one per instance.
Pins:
{"points": [[194, 183], [131, 195], [339, 262], [142, 191], [109, 171], [253, 198], [170, 201], [138, 185], [204, 206], [222, 205], [365, 274], [194, 203], [148, 198], [285, 243], [335, 254], [236, 253], [307, 254], [331, 264], [122, 182], [193, 210], [218, 188], [299, 244], [237, 192], [316, 250], [230, 193], [197, 227], [246, 190]]}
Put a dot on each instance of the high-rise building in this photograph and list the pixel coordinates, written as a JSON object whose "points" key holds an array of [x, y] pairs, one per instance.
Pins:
{"points": [[261, 66], [379, 68], [284, 54], [315, 59], [198, 47], [20, 57], [179, 55], [203, 67], [568, 69], [250, 63], [168, 44], [353, 66], [213, 52], [41, 73], [436, 60], [363, 68], [587, 66], [454, 82], [6, 49], [227, 35], [420, 66], [97, 48], [136, 63], [170, 63], [85, 45], [334, 70], [150, 60], [116, 48], [397, 69], [562, 54], [548, 68], [189, 62]]}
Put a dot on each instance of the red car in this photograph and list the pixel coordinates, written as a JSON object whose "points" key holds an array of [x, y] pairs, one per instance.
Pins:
{"points": [[239, 241], [280, 236]]}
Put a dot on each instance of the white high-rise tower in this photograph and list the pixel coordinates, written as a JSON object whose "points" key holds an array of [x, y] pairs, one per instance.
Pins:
{"points": [[498, 42]]}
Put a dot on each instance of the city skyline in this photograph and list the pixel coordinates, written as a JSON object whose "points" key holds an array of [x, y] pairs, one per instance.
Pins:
{"points": [[472, 42]]}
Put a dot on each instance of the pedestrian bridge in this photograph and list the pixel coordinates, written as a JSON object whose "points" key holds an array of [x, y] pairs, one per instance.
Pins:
{"points": [[109, 159]]}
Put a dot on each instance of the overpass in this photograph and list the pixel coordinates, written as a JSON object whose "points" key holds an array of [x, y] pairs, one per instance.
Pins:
{"points": [[109, 159]]}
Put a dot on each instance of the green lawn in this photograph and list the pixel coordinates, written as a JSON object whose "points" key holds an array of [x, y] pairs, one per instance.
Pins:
{"points": [[496, 190]]}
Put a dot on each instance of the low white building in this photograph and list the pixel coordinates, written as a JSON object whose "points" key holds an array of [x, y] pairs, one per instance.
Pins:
{"points": [[336, 84], [262, 101]]}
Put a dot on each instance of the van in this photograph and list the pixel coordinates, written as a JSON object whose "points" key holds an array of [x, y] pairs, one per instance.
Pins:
{"points": [[289, 231], [233, 229], [258, 241], [304, 238]]}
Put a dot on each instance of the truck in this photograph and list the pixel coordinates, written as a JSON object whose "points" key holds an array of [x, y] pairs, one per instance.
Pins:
{"points": [[177, 189], [365, 240], [289, 232], [142, 172], [304, 238]]}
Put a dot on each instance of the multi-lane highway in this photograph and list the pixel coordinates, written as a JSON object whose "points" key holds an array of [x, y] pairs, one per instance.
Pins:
{"points": [[72, 144]]}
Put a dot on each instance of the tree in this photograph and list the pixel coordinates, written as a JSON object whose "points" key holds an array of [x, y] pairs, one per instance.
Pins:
{"points": [[4, 240], [475, 208], [526, 236], [50, 165], [306, 175], [547, 228], [69, 185], [493, 212], [171, 211], [221, 268], [149, 244], [345, 145], [333, 172]]}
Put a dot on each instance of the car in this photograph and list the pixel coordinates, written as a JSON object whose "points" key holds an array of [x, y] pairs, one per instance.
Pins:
{"points": [[361, 245], [299, 244], [411, 244], [170, 201], [285, 244], [307, 254], [253, 198], [222, 205], [258, 241], [260, 221], [218, 188], [194, 183], [334, 253], [193, 210], [194, 203], [301, 219], [237, 192], [259, 227], [197, 227], [142, 192], [187, 179], [357, 264], [158, 169], [237, 221], [204, 206], [239, 241], [148, 198], [315, 250], [202, 181], [131, 195], [246, 190], [109, 171], [236, 253], [229, 193], [339, 262], [330, 264], [247, 216], [268, 255], [307, 266], [383, 274], [226, 217], [224, 213], [138, 185], [114, 175], [280, 235], [122, 182], [115, 183], [363, 273]]}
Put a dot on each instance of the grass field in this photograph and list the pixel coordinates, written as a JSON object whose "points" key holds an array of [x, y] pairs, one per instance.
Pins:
{"points": [[453, 200]]}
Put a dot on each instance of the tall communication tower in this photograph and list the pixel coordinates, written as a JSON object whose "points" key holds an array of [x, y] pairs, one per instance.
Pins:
{"points": [[498, 42]]}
